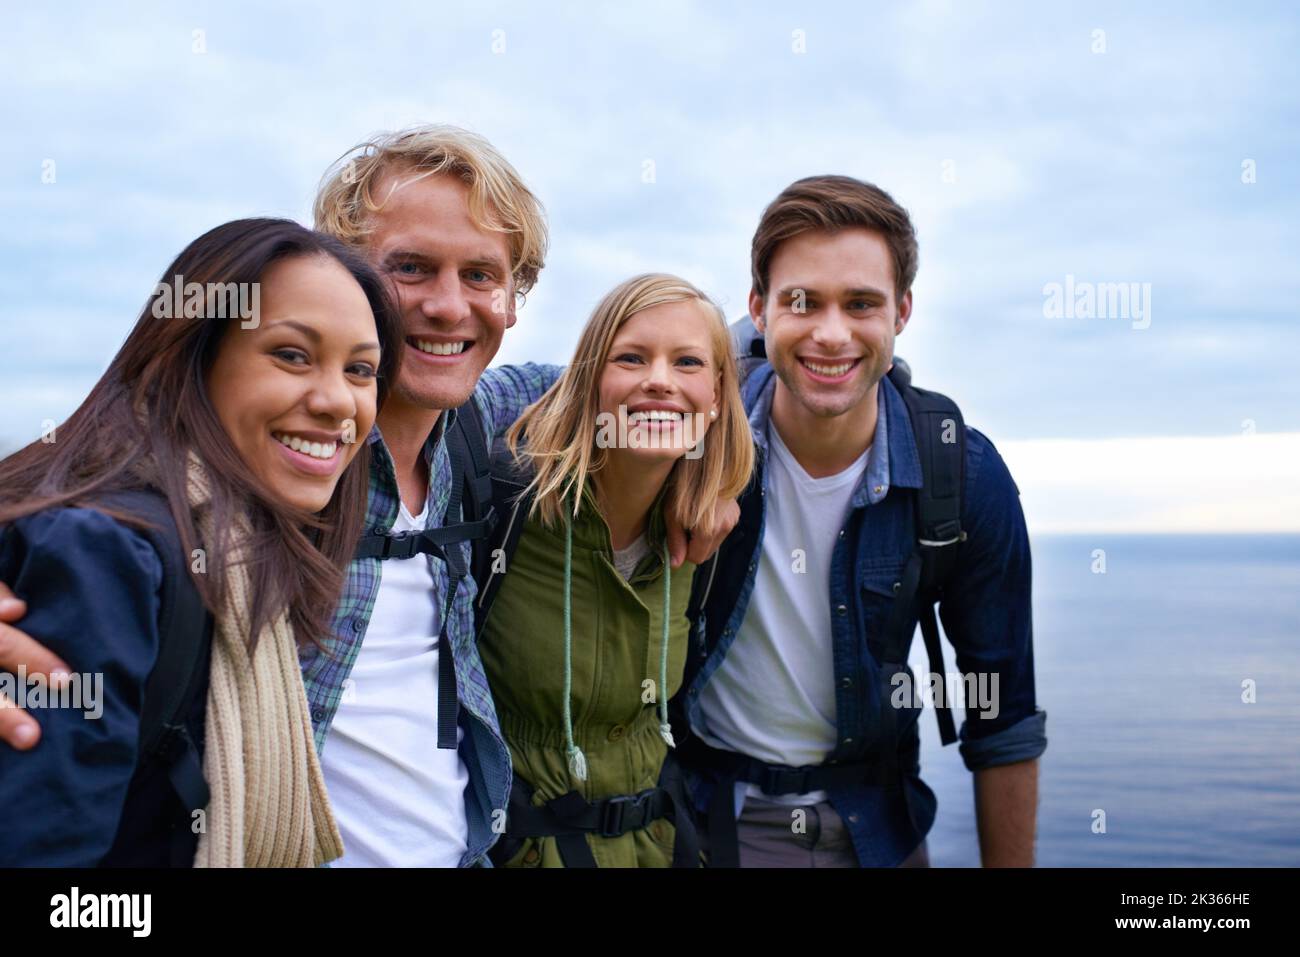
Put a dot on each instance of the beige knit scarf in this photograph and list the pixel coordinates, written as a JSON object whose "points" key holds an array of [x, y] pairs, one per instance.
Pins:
{"points": [[268, 807]]}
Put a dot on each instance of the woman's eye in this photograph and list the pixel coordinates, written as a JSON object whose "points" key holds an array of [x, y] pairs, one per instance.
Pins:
{"points": [[363, 369], [692, 360], [290, 355], [628, 357]]}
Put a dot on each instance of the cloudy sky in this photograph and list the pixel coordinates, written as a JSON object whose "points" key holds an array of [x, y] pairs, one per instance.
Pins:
{"points": [[1094, 142]]}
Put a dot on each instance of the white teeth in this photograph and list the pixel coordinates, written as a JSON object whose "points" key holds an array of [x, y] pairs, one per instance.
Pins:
{"points": [[441, 348], [654, 415], [826, 370], [317, 450]]}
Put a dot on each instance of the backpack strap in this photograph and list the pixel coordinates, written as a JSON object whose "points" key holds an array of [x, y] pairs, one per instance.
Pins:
{"points": [[180, 672], [701, 587], [570, 817], [470, 491], [476, 499], [748, 346], [470, 518], [471, 503], [940, 435], [510, 479]]}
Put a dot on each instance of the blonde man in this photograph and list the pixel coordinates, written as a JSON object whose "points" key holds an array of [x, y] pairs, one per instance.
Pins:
{"points": [[447, 219], [441, 213]]}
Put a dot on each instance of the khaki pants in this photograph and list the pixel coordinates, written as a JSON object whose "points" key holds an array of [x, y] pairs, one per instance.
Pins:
{"points": [[774, 835]]}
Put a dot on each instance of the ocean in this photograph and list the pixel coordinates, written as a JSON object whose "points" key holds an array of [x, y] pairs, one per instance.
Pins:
{"points": [[1142, 669]]}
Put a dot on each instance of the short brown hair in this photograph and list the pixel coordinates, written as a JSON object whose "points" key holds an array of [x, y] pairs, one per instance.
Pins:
{"points": [[831, 203]]}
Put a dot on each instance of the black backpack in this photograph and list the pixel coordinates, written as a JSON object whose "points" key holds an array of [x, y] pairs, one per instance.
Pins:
{"points": [[174, 701]]}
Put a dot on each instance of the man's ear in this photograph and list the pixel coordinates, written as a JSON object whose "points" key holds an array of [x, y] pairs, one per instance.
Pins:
{"points": [[756, 312], [904, 312]]}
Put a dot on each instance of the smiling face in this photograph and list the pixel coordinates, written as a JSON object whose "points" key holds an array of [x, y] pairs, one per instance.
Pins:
{"points": [[830, 317], [661, 369], [452, 283], [297, 394]]}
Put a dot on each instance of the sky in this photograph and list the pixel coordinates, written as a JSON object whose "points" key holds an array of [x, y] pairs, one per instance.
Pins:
{"points": [[1039, 150]]}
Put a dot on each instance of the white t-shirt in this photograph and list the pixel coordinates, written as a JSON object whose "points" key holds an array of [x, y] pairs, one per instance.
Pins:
{"points": [[399, 801], [773, 696], [626, 559]]}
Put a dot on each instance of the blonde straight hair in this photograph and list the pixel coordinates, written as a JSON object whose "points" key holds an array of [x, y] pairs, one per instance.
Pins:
{"points": [[498, 199], [561, 427]]}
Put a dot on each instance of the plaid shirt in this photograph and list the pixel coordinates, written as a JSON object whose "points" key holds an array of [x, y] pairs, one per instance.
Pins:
{"points": [[502, 395]]}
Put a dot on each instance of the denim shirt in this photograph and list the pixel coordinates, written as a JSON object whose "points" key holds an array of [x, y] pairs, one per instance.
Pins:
{"points": [[502, 394], [985, 613]]}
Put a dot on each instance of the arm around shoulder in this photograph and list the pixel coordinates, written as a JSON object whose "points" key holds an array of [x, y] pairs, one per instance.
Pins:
{"points": [[503, 392]]}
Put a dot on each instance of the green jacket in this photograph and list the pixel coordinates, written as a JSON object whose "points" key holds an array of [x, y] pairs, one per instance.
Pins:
{"points": [[616, 646]]}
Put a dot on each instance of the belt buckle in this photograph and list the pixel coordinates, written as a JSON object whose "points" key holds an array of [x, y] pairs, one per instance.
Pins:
{"points": [[787, 781]]}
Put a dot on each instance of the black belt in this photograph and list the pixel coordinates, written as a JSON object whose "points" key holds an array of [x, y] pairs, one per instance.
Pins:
{"points": [[730, 768]]}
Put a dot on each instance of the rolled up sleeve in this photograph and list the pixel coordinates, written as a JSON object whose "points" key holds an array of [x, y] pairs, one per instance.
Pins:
{"points": [[987, 615], [1023, 741]]}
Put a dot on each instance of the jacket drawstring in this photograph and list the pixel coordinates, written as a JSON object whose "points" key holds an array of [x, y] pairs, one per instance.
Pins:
{"points": [[665, 730], [576, 759]]}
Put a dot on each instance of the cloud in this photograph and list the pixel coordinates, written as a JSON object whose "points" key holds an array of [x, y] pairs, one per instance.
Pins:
{"points": [[1117, 166]]}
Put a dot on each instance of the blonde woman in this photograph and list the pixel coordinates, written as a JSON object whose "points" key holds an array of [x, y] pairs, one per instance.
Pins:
{"points": [[585, 638]]}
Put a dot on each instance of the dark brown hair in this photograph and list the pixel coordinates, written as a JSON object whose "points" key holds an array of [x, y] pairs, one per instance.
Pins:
{"points": [[151, 408], [832, 203]]}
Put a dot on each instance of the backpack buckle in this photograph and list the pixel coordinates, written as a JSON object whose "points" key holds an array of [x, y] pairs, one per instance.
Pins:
{"points": [[945, 533], [614, 818], [171, 745], [397, 539]]}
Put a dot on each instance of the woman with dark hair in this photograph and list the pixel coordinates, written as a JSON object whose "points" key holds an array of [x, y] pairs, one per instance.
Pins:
{"points": [[239, 407]]}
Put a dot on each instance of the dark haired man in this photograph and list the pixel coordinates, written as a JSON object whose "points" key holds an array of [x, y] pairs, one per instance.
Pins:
{"points": [[804, 745]]}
